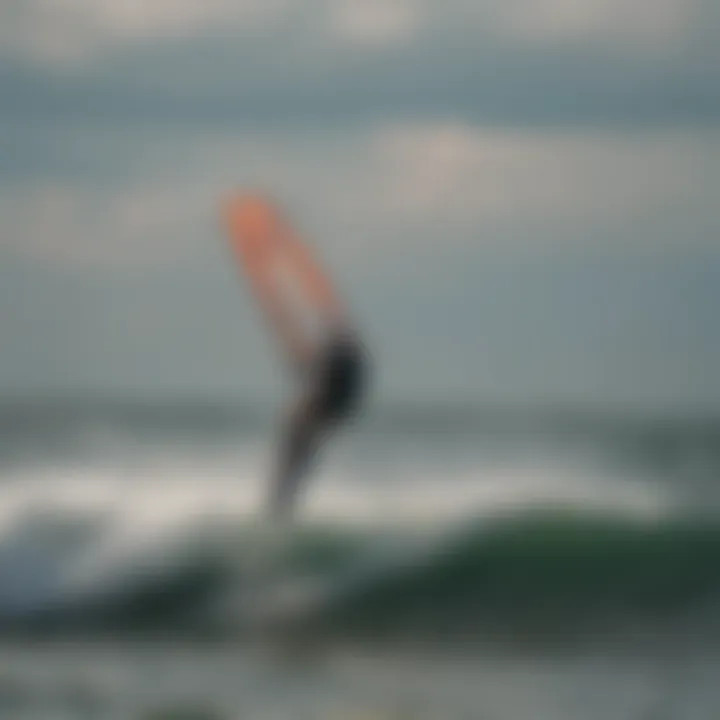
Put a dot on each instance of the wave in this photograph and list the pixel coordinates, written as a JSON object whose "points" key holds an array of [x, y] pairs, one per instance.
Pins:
{"points": [[541, 569]]}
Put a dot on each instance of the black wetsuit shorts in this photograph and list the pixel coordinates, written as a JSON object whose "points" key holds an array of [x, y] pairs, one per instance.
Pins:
{"points": [[339, 377]]}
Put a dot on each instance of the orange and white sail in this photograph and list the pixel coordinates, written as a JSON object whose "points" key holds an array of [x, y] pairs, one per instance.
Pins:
{"points": [[292, 288]]}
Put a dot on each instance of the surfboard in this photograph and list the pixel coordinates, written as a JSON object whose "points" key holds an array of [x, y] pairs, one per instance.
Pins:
{"points": [[287, 601]]}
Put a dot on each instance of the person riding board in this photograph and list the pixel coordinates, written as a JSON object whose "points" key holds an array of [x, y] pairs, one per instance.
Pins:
{"points": [[318, 339]]}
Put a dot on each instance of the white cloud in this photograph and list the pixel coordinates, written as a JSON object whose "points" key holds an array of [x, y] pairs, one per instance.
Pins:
{"points": [[637, 24], [374, 22], [73, 31], [464, 175], [77, 225], [357, 190]]}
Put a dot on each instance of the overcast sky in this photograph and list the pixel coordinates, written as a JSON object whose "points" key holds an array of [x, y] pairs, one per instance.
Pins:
{"points": [[521, 198]]}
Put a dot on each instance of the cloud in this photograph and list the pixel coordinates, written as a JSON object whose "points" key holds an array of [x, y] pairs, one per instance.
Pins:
{"points": [[375, 22], [393, 187], [73, 31], [78, 226], [65, 30], [334, 61], [474, 177], [642, 25]]}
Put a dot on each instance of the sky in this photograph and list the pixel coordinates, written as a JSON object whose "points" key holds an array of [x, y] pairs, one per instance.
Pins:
{"points": [[519, 198]]}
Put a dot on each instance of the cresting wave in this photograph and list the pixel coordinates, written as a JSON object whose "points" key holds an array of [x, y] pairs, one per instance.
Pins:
{"points": [[540, 568], [146, 525]]}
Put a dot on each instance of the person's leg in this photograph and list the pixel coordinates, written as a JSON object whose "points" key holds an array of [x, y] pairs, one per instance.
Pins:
{"points": [[300, 441], [334, 389]]}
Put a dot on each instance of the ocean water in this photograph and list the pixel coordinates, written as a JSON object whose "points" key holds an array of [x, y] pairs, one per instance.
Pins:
{"points": [[447, 562]]}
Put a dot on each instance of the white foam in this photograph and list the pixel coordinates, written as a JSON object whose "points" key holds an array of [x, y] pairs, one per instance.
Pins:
{"points": [[485, 491], [143, 511]]}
